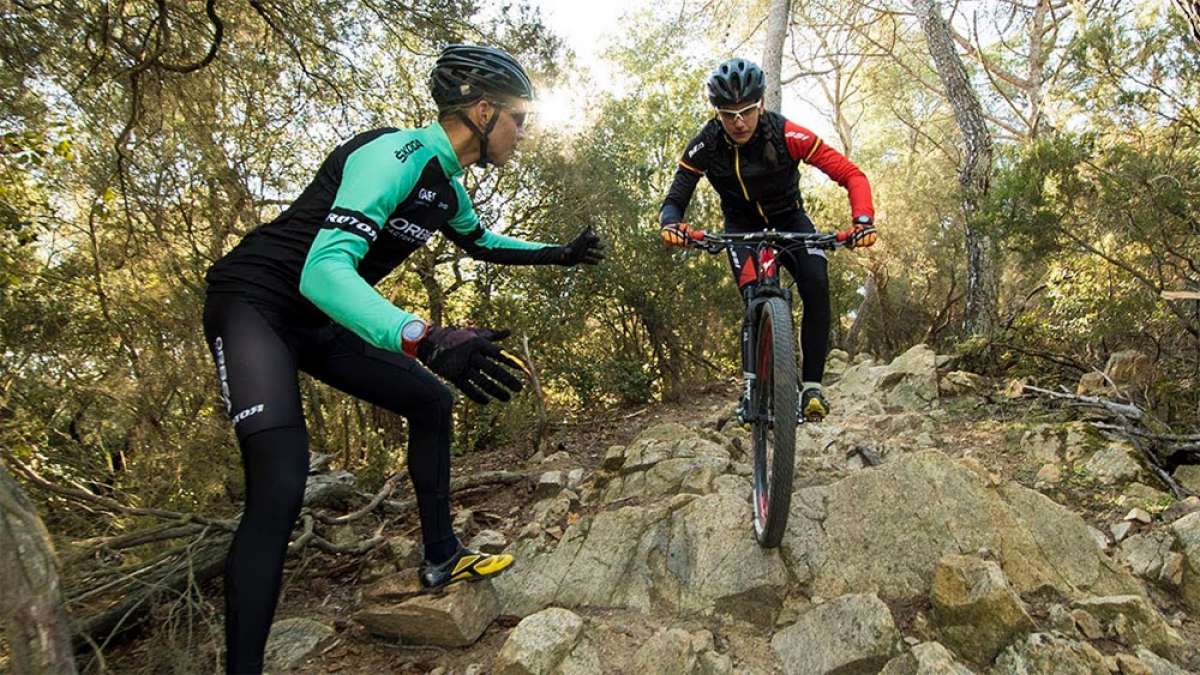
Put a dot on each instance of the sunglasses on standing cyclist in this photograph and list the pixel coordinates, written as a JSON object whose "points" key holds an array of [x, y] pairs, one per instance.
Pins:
{"points": [[731, 115], [518, 116]]}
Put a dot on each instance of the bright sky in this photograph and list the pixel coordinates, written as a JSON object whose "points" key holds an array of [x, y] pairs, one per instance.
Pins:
{"points": [[588, 28]]}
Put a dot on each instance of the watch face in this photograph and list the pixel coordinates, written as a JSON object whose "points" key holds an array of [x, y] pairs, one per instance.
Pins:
{"points": [[413, 329], [863, 220]]}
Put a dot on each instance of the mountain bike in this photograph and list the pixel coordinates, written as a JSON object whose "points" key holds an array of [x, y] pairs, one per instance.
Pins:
{"points": [[774, 390]]}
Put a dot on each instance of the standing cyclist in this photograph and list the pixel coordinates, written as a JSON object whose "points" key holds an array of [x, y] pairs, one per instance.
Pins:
{"points": [[751, 157], [297, 294]]}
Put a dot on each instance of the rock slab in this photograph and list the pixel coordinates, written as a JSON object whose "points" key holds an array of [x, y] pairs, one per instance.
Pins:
{"points": [[851, 634]]}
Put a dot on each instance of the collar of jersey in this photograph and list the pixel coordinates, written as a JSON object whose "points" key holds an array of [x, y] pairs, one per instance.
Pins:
{"points": [[439, 142]]}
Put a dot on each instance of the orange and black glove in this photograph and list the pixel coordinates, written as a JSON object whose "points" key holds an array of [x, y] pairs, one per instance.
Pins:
{"points": [[861, 234], [678, 234]]}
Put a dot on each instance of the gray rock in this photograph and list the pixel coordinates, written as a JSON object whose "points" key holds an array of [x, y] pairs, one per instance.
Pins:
{"points": [[850, 634], [454, 618], [690, 555], [488, 541], [1157, 664], [1187, 535], [1145, 554], [1049, 473], [292, 641], [885, 530], [1181, 508], [1135, 621], [976, 610], [1120, 530], [539, 643], [669, 652], [959, 382], [1043, 444], [1087, 624], [1188, 476], [583, 660], [1115, 464], [665, 460], [1129, 369], [574, 478], [1139, 516], [549, 484], [1093, 384], [1048, 654], [404, 551], [910, 382], [328, 489], [560, 456], [1145, 496], [1171, 574], [927, 658]]}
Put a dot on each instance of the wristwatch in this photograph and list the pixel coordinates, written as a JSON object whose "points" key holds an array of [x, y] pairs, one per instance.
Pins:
{"points": [[863, 220], [411, 335]]}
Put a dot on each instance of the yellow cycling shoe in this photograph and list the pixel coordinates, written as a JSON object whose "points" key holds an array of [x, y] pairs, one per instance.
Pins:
{"points": [[465, 565]]}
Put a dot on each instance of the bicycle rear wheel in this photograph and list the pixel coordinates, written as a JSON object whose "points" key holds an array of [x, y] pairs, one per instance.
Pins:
{"points": [[774, 404]]}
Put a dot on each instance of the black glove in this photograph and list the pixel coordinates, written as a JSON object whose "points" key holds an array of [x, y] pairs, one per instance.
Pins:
{"points": [[586, 249], [471, 360]]}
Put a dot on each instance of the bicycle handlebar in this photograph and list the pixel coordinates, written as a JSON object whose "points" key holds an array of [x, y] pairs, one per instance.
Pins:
{"points": [[715, 243]]}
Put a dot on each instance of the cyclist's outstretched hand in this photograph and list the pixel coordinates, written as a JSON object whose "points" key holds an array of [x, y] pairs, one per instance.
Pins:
{"points": [[861, 234], [585, 249], [471, 360], [678, 234]]}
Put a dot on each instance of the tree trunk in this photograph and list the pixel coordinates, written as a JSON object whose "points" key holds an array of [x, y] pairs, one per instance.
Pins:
{"points": [[973, 174], [777, 30], [31, 602], [1191, 11]]}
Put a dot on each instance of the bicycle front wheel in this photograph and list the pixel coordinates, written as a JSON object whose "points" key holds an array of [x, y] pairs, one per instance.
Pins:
{"points": [[774, 403]]}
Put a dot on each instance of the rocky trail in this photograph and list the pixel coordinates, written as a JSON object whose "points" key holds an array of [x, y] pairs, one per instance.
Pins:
{"points": [[937, 526]]}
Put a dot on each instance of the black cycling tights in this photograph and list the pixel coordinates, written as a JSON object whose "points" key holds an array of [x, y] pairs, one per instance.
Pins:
{"points": [[257, 356]]}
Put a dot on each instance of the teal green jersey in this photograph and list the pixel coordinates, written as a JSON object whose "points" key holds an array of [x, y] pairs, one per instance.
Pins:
{"points": [[376, 199]]}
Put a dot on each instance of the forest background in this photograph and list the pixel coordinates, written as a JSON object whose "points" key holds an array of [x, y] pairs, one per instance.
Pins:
{"points": [[141, 139]]}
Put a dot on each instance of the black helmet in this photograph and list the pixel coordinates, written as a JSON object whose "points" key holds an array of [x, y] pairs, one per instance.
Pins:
{"points": [[734, 81], [465, 73]]}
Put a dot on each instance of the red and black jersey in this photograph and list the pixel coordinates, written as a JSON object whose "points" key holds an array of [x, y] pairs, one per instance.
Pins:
{"points": [[758, 182]]}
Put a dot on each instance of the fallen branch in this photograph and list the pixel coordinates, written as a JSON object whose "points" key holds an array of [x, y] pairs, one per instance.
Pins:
{"points": [[1127, 410], [458, 484]]}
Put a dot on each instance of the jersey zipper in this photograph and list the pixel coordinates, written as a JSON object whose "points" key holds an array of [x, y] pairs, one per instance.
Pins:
{"points": [[737, 169]]}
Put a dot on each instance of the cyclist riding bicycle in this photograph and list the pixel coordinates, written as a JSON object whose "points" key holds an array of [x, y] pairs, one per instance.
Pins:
{"points": [[296, 294], [751, 158]]}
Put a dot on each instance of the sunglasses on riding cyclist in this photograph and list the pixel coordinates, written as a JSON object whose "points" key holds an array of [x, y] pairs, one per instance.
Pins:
{"points": [[732, 116]]}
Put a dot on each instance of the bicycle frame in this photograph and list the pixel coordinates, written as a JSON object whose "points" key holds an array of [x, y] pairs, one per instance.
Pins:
{"points": [[768, 245]]}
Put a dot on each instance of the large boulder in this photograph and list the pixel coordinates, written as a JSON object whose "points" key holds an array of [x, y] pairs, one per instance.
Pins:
{"points": [[848, 635], [1187, 535], [664, 460], [454, 618], [927, 658], [975, 609], [689, 555], [908, 382], [1050, 654], [885, 530], [539, 643]]}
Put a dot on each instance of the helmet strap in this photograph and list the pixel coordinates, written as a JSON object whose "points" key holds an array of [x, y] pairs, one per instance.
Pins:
{"points": [[481, 134]]}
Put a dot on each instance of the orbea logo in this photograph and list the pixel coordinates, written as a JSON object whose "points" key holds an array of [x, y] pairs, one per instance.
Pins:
{"points": [[408, 149], [354, 223], [693, 151], [797, 135], [409, 231]]}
